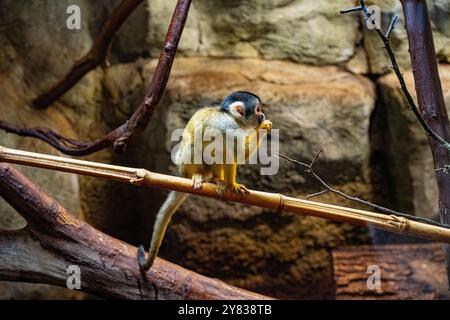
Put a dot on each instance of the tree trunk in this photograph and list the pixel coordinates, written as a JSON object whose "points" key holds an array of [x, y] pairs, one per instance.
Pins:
{"points": [[430, 98]]}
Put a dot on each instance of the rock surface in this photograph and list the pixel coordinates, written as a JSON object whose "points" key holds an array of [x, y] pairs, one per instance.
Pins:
{"points": [[314, 107], [305, 31]]}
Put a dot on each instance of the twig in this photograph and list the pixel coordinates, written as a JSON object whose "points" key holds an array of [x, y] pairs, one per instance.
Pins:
{"points": [[391, 26], [272, 201], [54, 239], [120, 136], [309, 168], [385, 38], [93, 58]]}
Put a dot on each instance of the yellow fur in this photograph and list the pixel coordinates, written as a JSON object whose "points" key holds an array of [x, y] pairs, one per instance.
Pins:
{"points": [[224, 175]]}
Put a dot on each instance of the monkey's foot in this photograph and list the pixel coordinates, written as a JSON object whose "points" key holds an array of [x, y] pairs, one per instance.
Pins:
{"points": [[239, 188], [221, 186], [197, 181]]}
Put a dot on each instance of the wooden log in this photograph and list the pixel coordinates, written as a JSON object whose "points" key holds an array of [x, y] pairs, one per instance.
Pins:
{"points": [[54, 240], [408, 271]]}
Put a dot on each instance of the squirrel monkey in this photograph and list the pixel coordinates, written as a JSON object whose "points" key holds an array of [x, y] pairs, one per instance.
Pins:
{"points": [[239, 112]]}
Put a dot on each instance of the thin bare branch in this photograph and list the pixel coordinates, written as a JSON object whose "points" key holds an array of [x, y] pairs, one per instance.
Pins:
{"points": [[409, 99], [309, 196], [328, 188], [349, 10], [391, 26], [94, 57]]}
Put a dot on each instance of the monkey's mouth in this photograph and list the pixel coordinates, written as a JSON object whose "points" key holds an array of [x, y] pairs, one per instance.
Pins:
{"points": [[260, 118]]}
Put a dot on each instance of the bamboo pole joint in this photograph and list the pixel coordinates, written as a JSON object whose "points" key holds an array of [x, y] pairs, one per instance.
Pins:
{"points": [[276, 202]]}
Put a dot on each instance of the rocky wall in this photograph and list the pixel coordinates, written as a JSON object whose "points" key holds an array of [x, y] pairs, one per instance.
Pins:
{"points": [[325, 81]]}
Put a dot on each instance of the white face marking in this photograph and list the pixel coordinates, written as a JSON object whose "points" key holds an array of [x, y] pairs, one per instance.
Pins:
{"points": [[235, 107]]}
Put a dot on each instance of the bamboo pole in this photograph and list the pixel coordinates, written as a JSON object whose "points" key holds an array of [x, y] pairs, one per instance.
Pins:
{"points": [[273, 201]]}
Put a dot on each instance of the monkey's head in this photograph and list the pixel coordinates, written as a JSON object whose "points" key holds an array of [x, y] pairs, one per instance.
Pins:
{"points": [[245, 107]]}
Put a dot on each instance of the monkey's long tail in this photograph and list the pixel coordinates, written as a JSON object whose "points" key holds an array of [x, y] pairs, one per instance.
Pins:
{"points": [[170, 206]]}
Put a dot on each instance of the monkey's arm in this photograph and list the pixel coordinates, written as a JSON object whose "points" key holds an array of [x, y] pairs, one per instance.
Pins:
{"points": [[253, 141]]}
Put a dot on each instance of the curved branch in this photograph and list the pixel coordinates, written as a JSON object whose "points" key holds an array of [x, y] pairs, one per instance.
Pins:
{"points": [[93, 58], [54, 239], [137, 123], [140, 119], [65, 145]]}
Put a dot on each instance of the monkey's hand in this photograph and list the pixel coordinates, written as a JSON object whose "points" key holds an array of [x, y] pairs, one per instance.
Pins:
{"points": [[266, 124]]}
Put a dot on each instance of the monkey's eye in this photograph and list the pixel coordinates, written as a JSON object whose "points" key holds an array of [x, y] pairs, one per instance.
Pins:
{"points": [[258, 109]]}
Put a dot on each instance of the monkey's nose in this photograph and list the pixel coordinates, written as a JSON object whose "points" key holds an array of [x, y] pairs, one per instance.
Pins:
{"points": [[261, 118]]}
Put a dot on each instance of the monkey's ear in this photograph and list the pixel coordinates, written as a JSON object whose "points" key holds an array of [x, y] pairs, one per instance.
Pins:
{"points": [[237, 109]]}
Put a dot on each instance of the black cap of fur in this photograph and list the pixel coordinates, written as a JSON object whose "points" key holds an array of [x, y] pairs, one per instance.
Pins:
{"points": [[250, 101]]}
